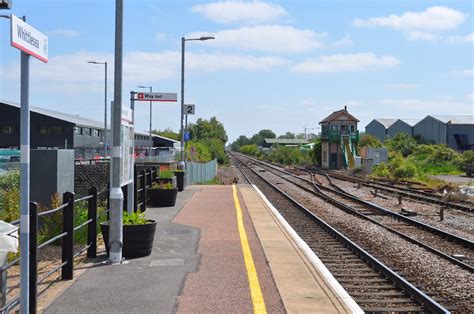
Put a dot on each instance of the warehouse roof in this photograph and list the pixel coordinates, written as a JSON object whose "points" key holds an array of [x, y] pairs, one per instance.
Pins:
{"points": [[410, 122], [75, 119], [386, 122], [286, 141], [455, 119]]}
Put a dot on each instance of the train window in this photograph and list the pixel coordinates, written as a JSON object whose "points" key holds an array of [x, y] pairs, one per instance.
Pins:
{"points": [[95, 132], [7, 129], [77, 130], [86, 131]]}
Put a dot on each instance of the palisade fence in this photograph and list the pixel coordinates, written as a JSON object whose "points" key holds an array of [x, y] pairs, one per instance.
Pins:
{"points": [[199, 173], [68, 216]]}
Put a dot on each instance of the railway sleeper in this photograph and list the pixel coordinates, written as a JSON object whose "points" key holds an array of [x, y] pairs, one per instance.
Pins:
{"points": [[406, 301], [411, 309]]}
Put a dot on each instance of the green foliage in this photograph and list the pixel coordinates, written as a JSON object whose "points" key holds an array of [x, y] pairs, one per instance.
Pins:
{"points": [[367, 140], [202, 153], [239, 142], [166, 174], [442, 153], [134, 219], [381, 170], [286, 155], [206, 130], [402, 143], [169, 133], [10, 196], [467, 161], [316, 152], [213, 181], [249, 149], [162, 186], [288, 135], [216, 149]]}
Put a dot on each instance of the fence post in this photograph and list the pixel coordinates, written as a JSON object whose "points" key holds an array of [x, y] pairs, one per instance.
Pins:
{"points": [[150, 177], [107, 206], [125, 197], [143, 191], [33, 256], [135, 188], [92, 226], [68, 240]]}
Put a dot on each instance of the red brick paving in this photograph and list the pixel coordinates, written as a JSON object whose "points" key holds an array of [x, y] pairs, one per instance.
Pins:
{"points": [[221, 284]]}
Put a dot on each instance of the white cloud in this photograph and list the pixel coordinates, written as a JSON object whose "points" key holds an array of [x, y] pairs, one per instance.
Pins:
{"points": [[62, 70], [402, 86], [470, 96], [423, 36], [346, 63], [434, 106], [62, 32], [239, 11], [424, 26], [437, 18], [160, 36], [465, 72], [274, 38], [462, 39]]}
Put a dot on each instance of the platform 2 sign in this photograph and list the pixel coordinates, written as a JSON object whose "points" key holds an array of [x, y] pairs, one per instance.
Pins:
{"points": [[190, 109], [28, 39], [168, 97]]}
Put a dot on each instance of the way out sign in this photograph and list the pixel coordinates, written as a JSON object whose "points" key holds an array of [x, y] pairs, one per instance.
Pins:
{"points": [[28, 39], [171, 97]]}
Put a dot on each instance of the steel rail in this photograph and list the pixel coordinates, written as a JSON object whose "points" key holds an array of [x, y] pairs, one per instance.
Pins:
{"points": [[350, 210], [419, 296]]}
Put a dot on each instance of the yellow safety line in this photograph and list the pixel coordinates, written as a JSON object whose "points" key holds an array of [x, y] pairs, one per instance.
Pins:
{"points": [[255, 291]]}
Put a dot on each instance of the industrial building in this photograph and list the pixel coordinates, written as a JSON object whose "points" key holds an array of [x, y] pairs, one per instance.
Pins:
{"points": [[339, 140], [456, 131], [57, 130]]}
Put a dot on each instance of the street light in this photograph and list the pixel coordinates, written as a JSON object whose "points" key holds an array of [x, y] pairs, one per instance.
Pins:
{"points": [[183, 41], [105, 106], [151, 139]]}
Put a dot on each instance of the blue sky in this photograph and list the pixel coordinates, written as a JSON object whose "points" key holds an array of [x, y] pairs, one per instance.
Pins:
{"points": [[281, 65]]}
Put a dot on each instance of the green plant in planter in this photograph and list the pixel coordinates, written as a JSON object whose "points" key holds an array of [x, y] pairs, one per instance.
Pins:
{"points": [[137, 218], [162, 186], [166, 174]]}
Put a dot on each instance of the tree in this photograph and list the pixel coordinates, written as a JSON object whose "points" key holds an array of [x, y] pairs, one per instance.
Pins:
{"points": [[168, 132], [260, 137], [288, 135], [368, 140], [208, 129], [402, 143], [239, 142], [315, 153]]}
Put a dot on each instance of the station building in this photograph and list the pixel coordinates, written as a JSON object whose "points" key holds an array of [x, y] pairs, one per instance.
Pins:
{"points": [[57, 130], [455, 131], [339, 140]]}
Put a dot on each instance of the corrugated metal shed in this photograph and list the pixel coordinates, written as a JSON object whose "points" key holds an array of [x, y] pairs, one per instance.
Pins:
{"points": [[386, 122], [455, 119]]}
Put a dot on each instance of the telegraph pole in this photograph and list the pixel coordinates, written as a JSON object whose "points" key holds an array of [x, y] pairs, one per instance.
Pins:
{"points": [[116, 195]]}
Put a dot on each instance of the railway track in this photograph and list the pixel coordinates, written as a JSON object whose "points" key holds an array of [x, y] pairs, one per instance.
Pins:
{"points": [[453, 248], [374, 286], [414, 194]]}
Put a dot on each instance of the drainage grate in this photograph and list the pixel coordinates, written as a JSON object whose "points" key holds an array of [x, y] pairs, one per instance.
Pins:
{"points": [[177, 231]]}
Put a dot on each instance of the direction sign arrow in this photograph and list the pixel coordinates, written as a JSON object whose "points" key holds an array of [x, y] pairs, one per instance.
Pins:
{"points": [[171, 97]]}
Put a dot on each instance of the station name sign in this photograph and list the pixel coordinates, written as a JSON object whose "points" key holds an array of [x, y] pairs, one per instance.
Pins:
{"points": [[172, 97], [28, 39]]}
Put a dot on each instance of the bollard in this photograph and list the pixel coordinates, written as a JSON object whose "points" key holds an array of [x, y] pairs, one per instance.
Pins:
{"points": [[68, 240], [92, 226], [143, 191], [33, 256], [441, 214]]}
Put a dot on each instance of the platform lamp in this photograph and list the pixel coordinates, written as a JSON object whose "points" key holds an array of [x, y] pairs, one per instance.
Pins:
{"points": [[105, 106], [183, 42], [150, 88]]}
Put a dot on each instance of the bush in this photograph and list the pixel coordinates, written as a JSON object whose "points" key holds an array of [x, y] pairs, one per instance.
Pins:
{"points": [[442, 153], [249, 149], [367, 140], [402, 143], [381, 170], [202, 153], [407, 170]]}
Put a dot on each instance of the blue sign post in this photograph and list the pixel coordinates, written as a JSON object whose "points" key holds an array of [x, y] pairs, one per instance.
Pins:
{"points": [[187, 136]]}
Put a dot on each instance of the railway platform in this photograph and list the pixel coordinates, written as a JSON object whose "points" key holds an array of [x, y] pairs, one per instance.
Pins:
{"points": [[220, 249]]}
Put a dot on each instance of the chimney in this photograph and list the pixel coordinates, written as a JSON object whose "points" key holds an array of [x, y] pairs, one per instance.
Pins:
{"points": [[345, 108]]}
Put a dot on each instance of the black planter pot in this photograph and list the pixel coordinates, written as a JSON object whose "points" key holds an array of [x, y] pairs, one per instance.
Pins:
{"points": [[137, 239], [162, 197], [180, 179]]}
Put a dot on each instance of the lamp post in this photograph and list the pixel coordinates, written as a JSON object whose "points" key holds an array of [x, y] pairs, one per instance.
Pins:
{"points": [[151, 115], [105, 106], [183, 42]]}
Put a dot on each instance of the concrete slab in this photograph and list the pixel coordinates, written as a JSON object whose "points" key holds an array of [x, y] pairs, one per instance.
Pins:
{"points": [[145, 285]]}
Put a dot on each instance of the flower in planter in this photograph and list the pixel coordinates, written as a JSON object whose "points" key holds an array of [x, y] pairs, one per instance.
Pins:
{"points": [[137, 218]]}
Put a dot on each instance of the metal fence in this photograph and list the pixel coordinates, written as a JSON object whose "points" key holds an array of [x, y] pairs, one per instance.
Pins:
{"points": [[199, 173]]}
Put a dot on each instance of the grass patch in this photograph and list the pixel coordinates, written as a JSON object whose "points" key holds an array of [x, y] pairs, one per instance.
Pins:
{"points": [[213, 181]]}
